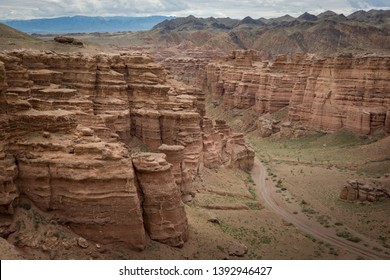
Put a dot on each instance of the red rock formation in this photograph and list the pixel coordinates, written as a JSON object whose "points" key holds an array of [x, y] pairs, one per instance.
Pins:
{"points": [[164, 215], [364, 191], [189, 66], [69, 122], [90, 186], [9, 171], [223, 147], [343, 92], [183, 179], [65, 115], [323, 93]]}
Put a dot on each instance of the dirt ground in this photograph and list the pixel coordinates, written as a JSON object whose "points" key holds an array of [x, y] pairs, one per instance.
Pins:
{"points": [[225, 195], [307, 175]]}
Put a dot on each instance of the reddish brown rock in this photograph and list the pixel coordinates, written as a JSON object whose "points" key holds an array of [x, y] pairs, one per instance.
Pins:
{"points": [[8, 190], [175, 156], [343, 92], [165, 218], [90, 186], [325, 94], [68, 40], [223, 147], [364, 191], [69, 122]]}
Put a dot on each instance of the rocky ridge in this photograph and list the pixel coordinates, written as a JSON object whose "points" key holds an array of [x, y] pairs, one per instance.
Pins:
{"points": [[326, 94], [327, 34], [68, 124]]}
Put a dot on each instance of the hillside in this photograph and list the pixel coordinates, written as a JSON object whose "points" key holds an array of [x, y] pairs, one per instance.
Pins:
{"points": [[326, 33], [12, 39]]}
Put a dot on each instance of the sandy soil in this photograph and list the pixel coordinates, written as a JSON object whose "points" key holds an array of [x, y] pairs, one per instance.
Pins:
{"points": [[308, 175], [267, 193]]}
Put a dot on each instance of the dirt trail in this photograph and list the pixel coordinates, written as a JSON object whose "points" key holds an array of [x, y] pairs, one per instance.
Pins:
{"points": [[267, 195]]}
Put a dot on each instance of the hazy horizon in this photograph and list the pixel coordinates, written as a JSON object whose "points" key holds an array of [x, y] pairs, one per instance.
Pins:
{"points": [[29, 9]]}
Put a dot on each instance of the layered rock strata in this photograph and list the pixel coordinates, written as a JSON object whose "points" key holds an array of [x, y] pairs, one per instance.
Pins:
{"points": [[67, 125], [164, 216], [8, 190], [183, 179], [189, 66], [358, 190], [224, 147], [343, 92], [325, 94]]}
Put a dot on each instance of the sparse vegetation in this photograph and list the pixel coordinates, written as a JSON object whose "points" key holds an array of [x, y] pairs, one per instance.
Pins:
{"points": [[252, 192], [253, 206], [347, 235]]}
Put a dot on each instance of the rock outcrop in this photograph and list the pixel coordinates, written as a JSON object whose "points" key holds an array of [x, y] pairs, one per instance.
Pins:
{"points": [[68, 40], [189, 66], [68, 124], [224, 147], [8, 190], [164, 216], [183, 179], [358, 190], [343, 92], [324, 94]]}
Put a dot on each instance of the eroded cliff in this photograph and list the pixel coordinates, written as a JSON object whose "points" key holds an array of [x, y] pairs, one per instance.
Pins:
{"points": [[325, 94], [69, 122]]}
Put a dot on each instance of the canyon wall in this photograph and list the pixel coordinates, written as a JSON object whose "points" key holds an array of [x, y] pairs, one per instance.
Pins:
{"points": [[327, 94], [68, 127]]}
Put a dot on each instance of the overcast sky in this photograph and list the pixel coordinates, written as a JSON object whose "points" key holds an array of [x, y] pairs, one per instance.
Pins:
{"points": [[27, 9]]}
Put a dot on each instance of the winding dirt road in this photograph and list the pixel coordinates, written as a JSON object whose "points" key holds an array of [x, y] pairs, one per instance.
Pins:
{"points": [[267, 195]]}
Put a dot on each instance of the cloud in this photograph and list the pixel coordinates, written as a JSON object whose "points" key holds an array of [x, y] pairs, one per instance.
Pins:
{"points": [[369, 4], [26, 9]]}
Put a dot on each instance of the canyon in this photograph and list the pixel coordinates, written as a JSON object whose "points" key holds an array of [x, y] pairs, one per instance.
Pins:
{"points": [[68, 125], [320, 93], [149, 151]]}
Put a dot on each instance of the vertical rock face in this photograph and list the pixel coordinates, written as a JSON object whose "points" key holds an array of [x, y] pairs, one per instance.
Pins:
{"points": [[223, 147], [183, 179], [189, 66], [164, 215], [90, 186], [343, 92], [9, 171], [323, 93], [68, 122], [65, 115]]}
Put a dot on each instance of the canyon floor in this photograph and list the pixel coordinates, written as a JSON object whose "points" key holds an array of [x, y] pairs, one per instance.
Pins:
{"points": [[288, 207]]}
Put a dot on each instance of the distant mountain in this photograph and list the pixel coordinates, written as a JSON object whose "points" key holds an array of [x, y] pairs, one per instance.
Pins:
{"points": [[307, 16], [371, 15], [326, 33], [194, 23], [84, 24], [327, 14]]}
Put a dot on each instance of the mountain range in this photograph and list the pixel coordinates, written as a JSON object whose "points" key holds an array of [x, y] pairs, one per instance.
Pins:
{"points": [[326, 33], [84, 24]]}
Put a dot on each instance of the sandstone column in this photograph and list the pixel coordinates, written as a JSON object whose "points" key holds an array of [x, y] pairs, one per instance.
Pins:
{"points": [[164, 215]]}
